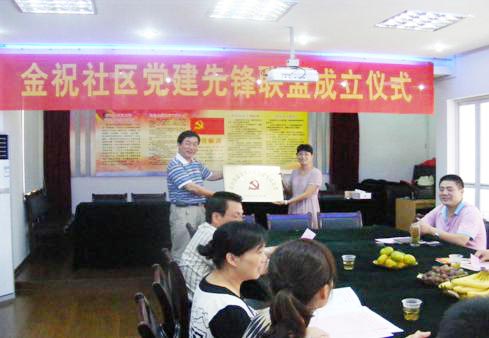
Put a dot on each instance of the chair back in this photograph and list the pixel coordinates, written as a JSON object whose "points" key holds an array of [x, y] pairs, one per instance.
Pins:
{"points": [[109, 197], [249, 218], [289, 222], [181, 304], [166, 259], [37, 205], [161, 289], [138, 198], [148, 326], [191, 230], [340, 220]]}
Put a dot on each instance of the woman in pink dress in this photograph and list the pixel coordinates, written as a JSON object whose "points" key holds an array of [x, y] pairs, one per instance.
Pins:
{"points": [[303, 185]]}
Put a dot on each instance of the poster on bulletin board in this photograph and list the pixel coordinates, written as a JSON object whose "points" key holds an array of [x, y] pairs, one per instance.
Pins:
{"points": [[141, 143]]}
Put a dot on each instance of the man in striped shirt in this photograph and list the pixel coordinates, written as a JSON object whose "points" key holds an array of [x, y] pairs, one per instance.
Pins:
{"points": [[186, 190], [221, 208]]}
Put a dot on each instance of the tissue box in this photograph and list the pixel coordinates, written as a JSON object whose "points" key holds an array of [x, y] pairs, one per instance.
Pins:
{"points": [[358, 194]]}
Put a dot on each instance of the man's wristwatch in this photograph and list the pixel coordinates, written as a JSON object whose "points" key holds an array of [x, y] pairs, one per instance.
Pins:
{"points": [[436, 234]]}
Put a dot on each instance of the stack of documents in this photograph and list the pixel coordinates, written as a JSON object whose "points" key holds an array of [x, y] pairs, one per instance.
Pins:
{"points": [[403, 240], [343, 309]]}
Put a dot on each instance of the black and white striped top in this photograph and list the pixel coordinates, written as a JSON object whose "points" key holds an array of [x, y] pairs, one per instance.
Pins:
{"points": [[218, 313]]}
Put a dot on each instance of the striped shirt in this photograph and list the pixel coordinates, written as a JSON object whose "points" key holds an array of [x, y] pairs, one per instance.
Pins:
{"points": [[181, 172], [259, 324], [195, 266]]}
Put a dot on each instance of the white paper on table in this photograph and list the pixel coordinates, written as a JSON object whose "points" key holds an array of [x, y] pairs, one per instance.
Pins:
{"points": [[474, 264], [402, 240], [394, 240], [308, 234], [368, 324], [340, 300]]}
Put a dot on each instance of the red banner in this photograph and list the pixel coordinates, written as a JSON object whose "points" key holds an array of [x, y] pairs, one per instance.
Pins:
{"points": [[214, 81]]}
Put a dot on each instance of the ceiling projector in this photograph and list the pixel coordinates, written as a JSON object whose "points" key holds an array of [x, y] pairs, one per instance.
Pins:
{"points": [[292, 74]]}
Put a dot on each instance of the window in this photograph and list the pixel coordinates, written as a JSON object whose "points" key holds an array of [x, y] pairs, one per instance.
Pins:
{"points": [[472, 158]]}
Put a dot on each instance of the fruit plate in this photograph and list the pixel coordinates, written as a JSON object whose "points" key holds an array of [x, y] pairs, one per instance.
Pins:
{"points": [[393, 268], [441, 274]]}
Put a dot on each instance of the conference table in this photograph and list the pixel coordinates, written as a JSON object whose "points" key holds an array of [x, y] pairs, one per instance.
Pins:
{"points": [[381, 289]]}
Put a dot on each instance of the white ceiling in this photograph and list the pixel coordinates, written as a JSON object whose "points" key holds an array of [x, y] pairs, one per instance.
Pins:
{"points": [[342, 26]]}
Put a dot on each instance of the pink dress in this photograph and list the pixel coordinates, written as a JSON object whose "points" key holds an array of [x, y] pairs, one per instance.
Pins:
{"points": [[299, 183]]}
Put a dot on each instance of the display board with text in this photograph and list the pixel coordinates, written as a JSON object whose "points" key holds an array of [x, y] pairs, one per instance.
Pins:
{"points": [[141, 143]]}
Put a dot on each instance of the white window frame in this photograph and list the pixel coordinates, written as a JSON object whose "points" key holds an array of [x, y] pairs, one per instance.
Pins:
{"points": [[477, 186]]}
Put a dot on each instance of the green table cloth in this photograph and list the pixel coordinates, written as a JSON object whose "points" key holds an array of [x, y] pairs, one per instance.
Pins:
{"points": [[379, 288]]}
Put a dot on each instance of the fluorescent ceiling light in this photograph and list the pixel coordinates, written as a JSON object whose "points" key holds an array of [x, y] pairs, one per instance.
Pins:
{"points": [[440, 47], [56, 6], [421, 21], [304, 39], [260, 10], [149, 33]]}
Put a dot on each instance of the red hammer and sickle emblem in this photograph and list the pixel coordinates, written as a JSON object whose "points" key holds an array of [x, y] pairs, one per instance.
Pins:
{"points": [[254, 185]]}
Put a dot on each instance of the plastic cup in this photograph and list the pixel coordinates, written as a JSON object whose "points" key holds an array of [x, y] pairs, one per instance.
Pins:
{"points": [[455, 260], [348, 261], [411, 308], [415, 232]]}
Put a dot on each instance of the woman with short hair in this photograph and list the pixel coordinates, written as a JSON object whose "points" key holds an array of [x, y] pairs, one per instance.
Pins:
{"points": [[303, 185], [237, 251]]}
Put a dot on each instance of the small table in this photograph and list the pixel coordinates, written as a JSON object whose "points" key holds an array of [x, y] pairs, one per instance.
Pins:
{"points": [[406, 210]]}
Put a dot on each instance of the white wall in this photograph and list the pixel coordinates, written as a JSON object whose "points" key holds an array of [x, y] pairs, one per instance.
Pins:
{"points": [[391, 144], [469, 79], [33, 139]]}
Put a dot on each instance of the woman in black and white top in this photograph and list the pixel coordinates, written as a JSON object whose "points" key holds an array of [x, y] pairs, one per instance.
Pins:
{"points": [[237, 250], [302, 274]]}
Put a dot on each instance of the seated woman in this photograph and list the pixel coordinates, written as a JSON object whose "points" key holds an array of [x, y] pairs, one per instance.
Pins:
{"points": [[302, 274], [237, 251]]}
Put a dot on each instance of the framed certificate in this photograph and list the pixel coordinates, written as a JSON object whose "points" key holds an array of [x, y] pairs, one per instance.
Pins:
{"points": [[255, 183]]}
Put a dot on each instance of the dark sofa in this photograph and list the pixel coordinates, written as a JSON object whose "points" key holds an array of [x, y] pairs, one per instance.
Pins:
{"points": [[115, 234]]}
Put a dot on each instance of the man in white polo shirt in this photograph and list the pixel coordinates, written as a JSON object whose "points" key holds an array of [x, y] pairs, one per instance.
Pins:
{"points": [[186, 190], [221, 208]]}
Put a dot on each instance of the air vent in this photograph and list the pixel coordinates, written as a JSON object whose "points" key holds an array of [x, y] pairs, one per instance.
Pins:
{"points": [[3, 147]]}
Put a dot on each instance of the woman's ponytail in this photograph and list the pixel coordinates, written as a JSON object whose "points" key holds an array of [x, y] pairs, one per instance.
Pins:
{"points": [[290, 316]]}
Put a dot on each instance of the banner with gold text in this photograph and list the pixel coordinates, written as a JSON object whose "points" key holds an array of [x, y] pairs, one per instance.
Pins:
{"points": [[141, 143], [226, 81]]}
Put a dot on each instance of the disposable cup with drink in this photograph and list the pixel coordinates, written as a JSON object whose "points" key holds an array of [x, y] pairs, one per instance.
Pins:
{"points": [[455, 260], [348, 261], [415, 231], [411, 308]]}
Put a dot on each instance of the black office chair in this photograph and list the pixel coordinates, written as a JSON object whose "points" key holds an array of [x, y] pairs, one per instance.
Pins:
{"points": [[148, 326], [340, 220], [109, 197], [289, 222], [171, 291], [180, 301], [138, 198], [46, 225], [249, 218], [161, 289], [191, 230]]}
